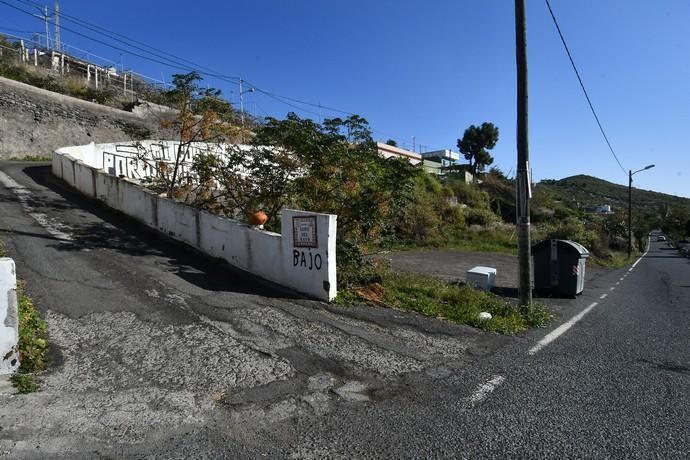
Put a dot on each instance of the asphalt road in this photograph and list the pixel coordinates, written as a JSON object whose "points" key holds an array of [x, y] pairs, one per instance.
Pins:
{"points": [[159, 352]]}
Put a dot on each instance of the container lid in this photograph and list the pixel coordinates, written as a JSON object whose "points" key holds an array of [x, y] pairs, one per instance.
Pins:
{"points": [[581, 249], [573, 244]]}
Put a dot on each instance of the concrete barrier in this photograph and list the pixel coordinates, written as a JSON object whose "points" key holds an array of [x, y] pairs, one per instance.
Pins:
{"points": [[302, 258], [9, 317]]}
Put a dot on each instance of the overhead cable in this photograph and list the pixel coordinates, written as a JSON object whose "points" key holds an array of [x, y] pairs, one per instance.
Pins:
{"points": [[582, 85]]}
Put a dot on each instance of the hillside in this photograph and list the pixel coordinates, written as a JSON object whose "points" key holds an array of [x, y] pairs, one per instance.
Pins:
{"points": [[582, 190]]}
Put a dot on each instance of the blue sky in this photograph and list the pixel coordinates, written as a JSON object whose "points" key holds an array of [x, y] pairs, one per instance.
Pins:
{"points": [[429, 69]]}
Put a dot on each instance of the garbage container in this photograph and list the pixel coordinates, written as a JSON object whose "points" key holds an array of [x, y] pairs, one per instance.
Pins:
{"points": [[559, 267]]}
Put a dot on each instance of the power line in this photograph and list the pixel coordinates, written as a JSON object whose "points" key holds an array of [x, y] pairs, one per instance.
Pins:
{"points": [[169, 64], [311, 104], [278, 98], [175, 62], [16, 30], [584, 90], [125, 40], [232, 79], [262, 109]]}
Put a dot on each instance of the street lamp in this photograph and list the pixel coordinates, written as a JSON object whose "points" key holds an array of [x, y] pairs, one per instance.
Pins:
{"points": [[250, 90], [630, 174]]}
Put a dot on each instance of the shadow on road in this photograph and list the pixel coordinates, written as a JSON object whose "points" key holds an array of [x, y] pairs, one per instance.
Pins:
{"points": [[121, 233]]}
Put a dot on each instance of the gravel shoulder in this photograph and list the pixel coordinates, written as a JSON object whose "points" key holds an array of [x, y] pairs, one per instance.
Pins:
{"points": [[452, 265]]}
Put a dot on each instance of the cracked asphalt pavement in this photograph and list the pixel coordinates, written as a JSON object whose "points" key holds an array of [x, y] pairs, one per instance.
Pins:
{"points": [[159, 352]]}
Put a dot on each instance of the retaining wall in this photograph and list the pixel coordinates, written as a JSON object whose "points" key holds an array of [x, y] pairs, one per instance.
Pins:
{"points": [[9, 317], [34, 121], [302, 258]]}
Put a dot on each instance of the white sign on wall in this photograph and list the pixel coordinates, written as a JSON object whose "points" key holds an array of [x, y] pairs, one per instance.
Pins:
{"points": [[304, 232]]}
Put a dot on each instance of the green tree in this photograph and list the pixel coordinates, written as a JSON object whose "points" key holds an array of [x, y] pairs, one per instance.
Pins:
{"points": [[392, 143], [202, 118], [332, 167], [501, 192], [476, 143], [674, 224]]}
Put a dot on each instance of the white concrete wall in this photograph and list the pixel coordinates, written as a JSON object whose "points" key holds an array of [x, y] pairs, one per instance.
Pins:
{"points": [[178, 220], [9, 317], [271, 256], [124, 159], [315, 266]]}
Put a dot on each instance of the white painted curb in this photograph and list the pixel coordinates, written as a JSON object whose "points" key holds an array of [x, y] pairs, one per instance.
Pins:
{"points": [[9, 317]]}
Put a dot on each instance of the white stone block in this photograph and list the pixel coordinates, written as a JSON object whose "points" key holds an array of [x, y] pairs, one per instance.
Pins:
{"points": [[482, 277], [9, 317]]}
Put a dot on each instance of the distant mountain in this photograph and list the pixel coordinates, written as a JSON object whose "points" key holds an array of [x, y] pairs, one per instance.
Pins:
{"points": [[585, 190]]}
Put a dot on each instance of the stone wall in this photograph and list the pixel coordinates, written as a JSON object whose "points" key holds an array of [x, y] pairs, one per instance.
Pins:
{"points": [[34, 121]]}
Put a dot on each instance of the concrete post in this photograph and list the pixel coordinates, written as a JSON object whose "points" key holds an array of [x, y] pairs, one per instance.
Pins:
{"points": [[9, 317], [308, 246]]}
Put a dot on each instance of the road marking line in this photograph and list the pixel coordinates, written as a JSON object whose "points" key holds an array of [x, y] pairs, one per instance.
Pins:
{"points": [[638, 261], [618, 283], [52, 226], [560, 330], [485, 389], [603, 296], [645, 253], [612, 288]]}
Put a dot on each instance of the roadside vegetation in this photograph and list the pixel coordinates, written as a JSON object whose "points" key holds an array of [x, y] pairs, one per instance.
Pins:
{"points": [[456, 302], [32, 345], [42, 78], [36, 158]]}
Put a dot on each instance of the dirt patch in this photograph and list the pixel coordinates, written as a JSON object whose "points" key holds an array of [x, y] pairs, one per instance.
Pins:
{"points": [[452, 265]]}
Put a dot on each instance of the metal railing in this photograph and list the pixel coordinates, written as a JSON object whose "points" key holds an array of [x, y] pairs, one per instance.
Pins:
{"points": [[74, 63]]}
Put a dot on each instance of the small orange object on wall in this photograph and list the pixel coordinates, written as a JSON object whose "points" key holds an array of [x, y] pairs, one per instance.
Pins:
{"points": [[258, 218]]}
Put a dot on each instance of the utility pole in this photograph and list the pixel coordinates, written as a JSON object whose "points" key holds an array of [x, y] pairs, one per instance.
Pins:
{"points": [[241, 103], [250, 90], [414, 147], [523, 180], [630, 174], [58, 44], [45, 19], [629, 213]]}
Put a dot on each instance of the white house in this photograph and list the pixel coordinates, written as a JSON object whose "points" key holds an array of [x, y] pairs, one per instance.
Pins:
{"points": [[389, 151]]}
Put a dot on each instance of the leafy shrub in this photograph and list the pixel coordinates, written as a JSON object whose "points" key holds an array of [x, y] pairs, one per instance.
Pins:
{"points": [[469, 194], [479, 216], [573, 228]]}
